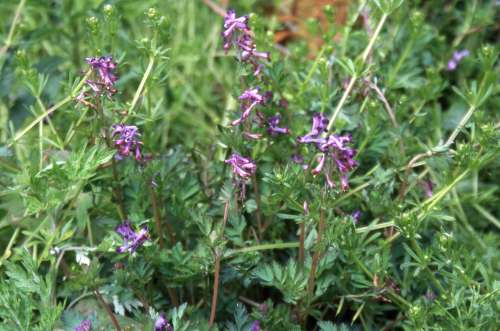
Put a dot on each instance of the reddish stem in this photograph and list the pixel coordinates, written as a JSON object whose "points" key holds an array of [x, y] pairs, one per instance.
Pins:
{"points": [[108, 310]]}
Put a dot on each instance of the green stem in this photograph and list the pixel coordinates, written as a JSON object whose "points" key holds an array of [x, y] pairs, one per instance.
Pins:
{"points": [[421, 257], [311, 72], [353, 79], [263, 247], [10, 36], [51, 109], [142, 84]]}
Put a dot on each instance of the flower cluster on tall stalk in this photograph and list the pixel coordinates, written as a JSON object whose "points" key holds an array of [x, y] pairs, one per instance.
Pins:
{"points": [[335, 156], [238, 34], [131, 239], [103, 78]]}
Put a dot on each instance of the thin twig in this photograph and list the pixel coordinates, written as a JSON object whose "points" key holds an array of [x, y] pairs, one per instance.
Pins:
{"points": [[218, 255], [138, 93], [302, 235], [215, 7], [156, 213], [317, 254], [108, 310], [51, 109], [258, 213], [216, 288], [10, 36], [353, 79]]}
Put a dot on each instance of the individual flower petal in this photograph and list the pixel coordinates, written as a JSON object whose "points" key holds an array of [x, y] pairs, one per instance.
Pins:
{"points": [[255, 326], [273, 127]]}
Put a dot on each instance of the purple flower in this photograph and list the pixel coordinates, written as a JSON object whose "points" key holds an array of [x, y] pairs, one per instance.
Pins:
{"points": [[305, 206], [243, 167], [85, 325], [255, 326], [127, 140], [273, 128], [161, 324], [320, 123], [427, 186], [232, 25], [335, 154], [104, 66], [249, 100], [456, 58], [299, 159], [356, 215], [131, 239], [237, 33], [429, 295]]}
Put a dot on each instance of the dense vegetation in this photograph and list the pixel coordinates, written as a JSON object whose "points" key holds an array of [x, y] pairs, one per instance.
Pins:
{"points": [[169, 165]]}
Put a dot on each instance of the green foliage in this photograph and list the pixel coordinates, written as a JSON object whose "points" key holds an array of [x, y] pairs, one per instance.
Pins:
{"points": [[413, 260]]}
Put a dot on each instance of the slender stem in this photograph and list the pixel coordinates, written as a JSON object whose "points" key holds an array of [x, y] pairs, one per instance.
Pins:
{"points": [[156, 213], [8, 252], [10, 36], [460, 126], [108, 310], [218, 256], [215, 7], [302, 237], [52, 128], [263, 247], [486, 214], [226, 216], [311, 71], [420, 254], [317, 254], [353, 79], [258, 213], [142, 84], [50, 110], [215, 292], [117, 190], [418, 157]]}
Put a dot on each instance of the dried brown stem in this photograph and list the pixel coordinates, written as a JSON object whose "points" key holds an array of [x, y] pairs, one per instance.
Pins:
{"points": [[215, 290], [108, 310], [215, 7], [157, 216], [218, 256], [302, 237], [317, 255]]}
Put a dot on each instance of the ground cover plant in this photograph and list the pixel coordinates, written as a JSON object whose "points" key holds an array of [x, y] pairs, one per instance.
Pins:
{"points": [[233, 165]]}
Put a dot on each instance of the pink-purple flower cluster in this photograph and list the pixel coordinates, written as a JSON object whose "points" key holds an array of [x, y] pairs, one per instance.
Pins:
{"points": [[456, 59], [161, 324], [126, 140], [243, 167], [85, 325], [249, 100], [237, 33], [335, 154], [273, 126], [131, 239], [105, 77]]}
